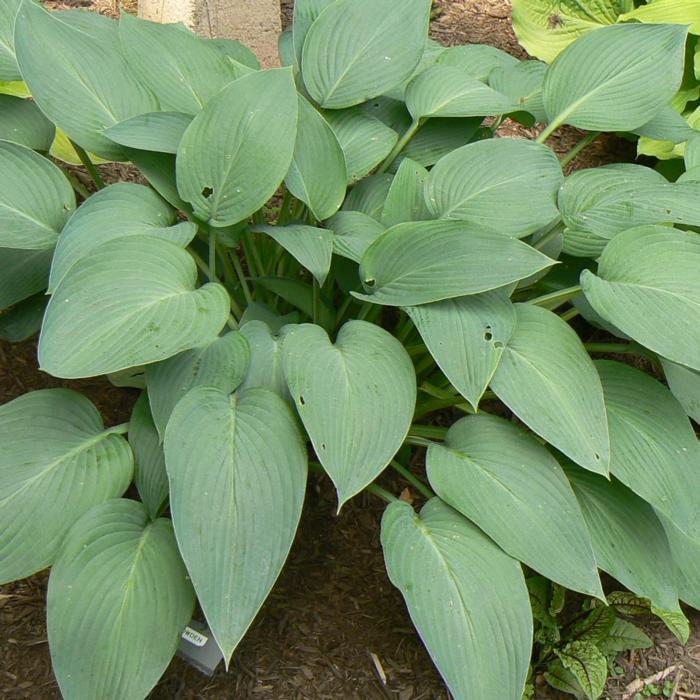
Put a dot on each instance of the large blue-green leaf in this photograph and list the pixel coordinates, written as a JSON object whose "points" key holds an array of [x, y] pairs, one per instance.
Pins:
{"points": [[426, 261], [23, 320], [237, 468], [117, 211], [509, 185], [522, 83], [477, 60], [130, 302], [653, 448], [616, 78], [359, 49], [628, 540], [312, 247], [238, 150], [221, 363], [183, 70], [356, 398], [318, 172], [684, 384], [305, 14], [548, 380], [467, 336], [446, 91], [405, 200], [466, 597], [36, 199], [353, 233], [9, 71], [503, 480], [686, 559], [118, 602], [365, 140], [23, 123], [23, 273], [150, 476], [56, 462], [89, 86], [648, 286], [157, 131]]}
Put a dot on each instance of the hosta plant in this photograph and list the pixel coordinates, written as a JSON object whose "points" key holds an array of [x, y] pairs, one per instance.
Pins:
{"points": [[546, 27], [328, 258]]}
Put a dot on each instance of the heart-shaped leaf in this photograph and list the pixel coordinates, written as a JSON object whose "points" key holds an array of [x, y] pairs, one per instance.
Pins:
{"points": [[654, 453], [509, 185], [157, 131], [237, 468], [23, 273], [477, 60], [183, 70], [548, 380], [365, 141], [359, 49], [628, 539], [446, 91], [118, 602], [265, 369], [9, 71], [686, 559], [631, 71], [117, 211], [467, 336], [36, 199], [312, 247], [421, 262], [221, 363], [684, 384], [356, 398], [149, 461], [56, 462], [317, 175], [405, 200], [23, 123], [647, 285], [496, 475], [238, 150], [475, 620], [353, 233], [130, 302], [89, 86]]}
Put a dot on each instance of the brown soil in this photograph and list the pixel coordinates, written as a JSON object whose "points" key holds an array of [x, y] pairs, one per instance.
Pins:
{"points": [[334, 628]]}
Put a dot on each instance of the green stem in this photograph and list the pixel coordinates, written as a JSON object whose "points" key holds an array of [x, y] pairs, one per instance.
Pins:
{"points": [[241, 278], [413, 480], [118, 429], [427, 431], [438, 404], [212, 255], [405, 330], [76, 184], [229, 272], [89, 166], [549, 130], [340, 316], [232, 323], [412, 130], [237, 313], [417, 441], [585, 141], [619, 348], [570, 314], [557, 298], [382, 493], [285, 208], [315, 300]]}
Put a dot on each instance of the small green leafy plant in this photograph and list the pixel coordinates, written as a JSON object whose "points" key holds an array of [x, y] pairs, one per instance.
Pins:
{"points": [[327, 255], [546, 27]]}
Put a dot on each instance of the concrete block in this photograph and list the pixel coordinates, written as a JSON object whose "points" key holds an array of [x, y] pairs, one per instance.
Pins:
{"points": [[256, 23]]}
